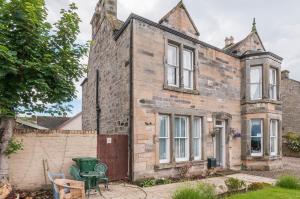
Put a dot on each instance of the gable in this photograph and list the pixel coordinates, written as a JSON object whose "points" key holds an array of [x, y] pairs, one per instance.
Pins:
{"points": [[179, 19], [251, 43]]}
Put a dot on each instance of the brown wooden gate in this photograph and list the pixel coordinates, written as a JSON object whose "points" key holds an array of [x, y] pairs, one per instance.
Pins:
{"points": [[113, 151]]}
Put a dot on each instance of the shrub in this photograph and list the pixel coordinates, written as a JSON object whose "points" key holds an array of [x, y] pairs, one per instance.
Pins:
{"points": [[293, 142], [162, 181], [201, 191], [234, 184], [149, 182], [289, 182], [257, 186]]}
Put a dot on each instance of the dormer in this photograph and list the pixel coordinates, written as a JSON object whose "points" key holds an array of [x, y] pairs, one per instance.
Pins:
{"points": [[180, 20]]}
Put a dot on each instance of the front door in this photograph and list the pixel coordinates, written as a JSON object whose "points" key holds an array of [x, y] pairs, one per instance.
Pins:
{"points": [[220, 143]]}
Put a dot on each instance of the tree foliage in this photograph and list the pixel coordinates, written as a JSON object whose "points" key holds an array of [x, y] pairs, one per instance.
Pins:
{"points": [[39, 62]]}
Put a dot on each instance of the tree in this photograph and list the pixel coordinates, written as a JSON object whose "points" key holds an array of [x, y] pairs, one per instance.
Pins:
{"points": [[39, 64]]}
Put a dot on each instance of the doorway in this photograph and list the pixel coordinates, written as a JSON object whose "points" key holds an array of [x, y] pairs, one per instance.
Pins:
{"points": [[220, 151]]}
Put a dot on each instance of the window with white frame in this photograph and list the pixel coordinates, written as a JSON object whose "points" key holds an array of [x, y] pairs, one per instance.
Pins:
{"points": [[173, 65], [274, 137], [164, 139], [273, 84], [181, 139], [256, 137], [197, 136], [188, 63], [255, 82]]}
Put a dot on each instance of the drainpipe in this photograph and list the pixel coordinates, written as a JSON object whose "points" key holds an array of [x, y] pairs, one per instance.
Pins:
{"points": [[131, 104], [98, 110]]}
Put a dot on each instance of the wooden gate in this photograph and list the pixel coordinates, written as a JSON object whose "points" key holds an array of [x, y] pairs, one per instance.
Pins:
{"points": [[113, 151]]}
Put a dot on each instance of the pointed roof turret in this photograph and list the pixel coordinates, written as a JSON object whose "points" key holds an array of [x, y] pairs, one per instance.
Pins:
{"points": [[254, 26]]}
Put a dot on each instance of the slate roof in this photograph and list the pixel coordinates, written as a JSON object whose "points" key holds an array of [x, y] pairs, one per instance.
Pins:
{"points": [[51, 122]]}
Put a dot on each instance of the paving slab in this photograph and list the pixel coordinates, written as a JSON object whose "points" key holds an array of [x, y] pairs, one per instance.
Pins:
{"points": [[126, 191]]}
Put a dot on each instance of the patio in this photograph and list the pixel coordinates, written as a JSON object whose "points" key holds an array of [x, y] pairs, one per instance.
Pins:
{"points": [[126, 191]]}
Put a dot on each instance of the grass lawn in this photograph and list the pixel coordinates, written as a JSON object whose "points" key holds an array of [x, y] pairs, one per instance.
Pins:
{"points": [[270, 193]]}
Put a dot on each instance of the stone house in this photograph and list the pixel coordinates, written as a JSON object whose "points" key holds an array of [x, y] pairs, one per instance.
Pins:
{"points": [[179, 99], [290, 92]]}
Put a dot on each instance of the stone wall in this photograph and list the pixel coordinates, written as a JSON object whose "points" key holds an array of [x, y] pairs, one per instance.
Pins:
{"points": [[218, 83], [290, 93], [26, 169], [111, 58]]}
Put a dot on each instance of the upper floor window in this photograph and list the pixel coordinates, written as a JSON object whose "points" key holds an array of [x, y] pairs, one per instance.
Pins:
{"points": [[180, 73], [173, 65], [188, 63], [255, 82], [273, 84]]}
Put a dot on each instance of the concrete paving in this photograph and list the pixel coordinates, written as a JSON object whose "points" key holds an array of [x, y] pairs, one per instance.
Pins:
{"points": [[126, 191]]}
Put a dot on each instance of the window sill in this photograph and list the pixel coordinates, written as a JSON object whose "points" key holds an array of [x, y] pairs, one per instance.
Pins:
{"points": [[179, 164], [278, 102], [181, 90], [263, 158]]}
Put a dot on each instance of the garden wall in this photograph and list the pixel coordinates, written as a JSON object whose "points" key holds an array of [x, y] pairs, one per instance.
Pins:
{"points": [[26, 170]]}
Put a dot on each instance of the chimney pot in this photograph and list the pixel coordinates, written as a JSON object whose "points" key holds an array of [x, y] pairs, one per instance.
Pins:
{"points": [[285, 74], [229, 41]]}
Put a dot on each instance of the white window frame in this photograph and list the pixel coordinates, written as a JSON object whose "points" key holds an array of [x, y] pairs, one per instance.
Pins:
{"points": [[196, 137], [186, 158], [274, 136], [176, 67], [167, 138], [256, 83], [190, 71], [261, 137], [273, 85]]}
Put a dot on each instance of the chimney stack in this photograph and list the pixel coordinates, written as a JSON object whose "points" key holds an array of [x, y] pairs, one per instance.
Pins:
{"points": [[285, 74], [229, 41]]}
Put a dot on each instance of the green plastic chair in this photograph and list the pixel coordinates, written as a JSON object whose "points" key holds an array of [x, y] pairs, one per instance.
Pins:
{"points": [[75, 173], [101, 168]]}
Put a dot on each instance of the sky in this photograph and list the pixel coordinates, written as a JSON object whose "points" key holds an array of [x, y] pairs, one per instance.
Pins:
{"points": [[278, 23]]}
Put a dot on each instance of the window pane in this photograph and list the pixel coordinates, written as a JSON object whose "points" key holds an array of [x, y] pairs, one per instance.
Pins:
{"points": [[256, 145], [272, 145], [187, 59], [187, 79], [196, 145], [255, 91], [172, 75], [197, 128], [273, 76], [256, 74], [163, 126], [162, 149], [172, 55], [177, 127], [256, 128], [183, 127]]}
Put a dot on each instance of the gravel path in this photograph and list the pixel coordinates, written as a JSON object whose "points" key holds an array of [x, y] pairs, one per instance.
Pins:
{"points": [[291, 166]]}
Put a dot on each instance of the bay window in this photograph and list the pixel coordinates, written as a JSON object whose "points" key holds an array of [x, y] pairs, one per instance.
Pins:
{"points": [[256, 82], [197, 132], [274, 137], [181, 146], [188, 61], [173, 65], [257, 137], [273, 84], [164, 141]]}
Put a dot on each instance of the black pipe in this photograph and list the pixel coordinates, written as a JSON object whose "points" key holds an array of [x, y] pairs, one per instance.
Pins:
{"points": [[98, 110], [130, 136]]}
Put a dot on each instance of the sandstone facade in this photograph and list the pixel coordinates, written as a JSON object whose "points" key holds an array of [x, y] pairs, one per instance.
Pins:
{"points": [[134, 93]]}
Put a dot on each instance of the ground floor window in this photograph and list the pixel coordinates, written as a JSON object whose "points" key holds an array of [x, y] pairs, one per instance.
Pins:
{"points": [[256, 137], [181, 137], [197, 131], [164, 141], [274, 137], [181, 146]]}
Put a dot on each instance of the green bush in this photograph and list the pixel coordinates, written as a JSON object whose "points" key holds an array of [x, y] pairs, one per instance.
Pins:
{"points": [[289, 182], [149, 182], [234, 184], [163, 181], [293, 141], [257, 186], [201, 191]]}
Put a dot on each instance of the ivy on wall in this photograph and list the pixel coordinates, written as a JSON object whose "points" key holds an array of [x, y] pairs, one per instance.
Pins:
{"points": [[293, 142]]}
